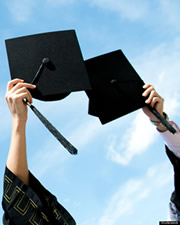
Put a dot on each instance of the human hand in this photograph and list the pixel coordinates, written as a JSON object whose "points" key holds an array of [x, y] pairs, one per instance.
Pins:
{"points": [[16, 92], [154, 100]]}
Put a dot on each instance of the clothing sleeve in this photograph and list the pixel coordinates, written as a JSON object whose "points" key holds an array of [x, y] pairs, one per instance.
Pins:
{"points": [[172, 140], [175, 197], [174, 213], [31, 204]]}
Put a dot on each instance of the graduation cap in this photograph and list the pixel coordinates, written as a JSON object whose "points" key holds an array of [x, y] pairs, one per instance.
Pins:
{"points": [[116, 88], [53, 61]]}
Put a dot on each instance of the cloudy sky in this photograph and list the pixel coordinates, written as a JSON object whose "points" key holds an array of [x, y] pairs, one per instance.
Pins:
{"points": [[121, 174]]}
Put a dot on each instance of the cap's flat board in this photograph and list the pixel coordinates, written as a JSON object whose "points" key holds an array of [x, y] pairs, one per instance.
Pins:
{"points": [[68, 73]]}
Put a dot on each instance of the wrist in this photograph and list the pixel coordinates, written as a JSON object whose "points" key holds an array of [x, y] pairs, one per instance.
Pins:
{"points": [[18, 123], [160, 127]]}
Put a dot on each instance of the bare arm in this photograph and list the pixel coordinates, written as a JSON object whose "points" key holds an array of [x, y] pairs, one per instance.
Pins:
{"points": [[17, 158]]}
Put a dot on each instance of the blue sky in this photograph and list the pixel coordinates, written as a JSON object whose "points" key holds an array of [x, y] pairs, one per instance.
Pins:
{"points": [[121, 174]]}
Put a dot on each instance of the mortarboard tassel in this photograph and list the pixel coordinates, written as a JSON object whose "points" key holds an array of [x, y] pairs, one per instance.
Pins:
{"points": [[53, 130]]}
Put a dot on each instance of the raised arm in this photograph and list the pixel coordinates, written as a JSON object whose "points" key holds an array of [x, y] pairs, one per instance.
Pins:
{"points": [[156, 101], [17, 159]]}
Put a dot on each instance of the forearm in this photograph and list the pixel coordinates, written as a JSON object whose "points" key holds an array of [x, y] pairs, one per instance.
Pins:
{"points": [[17, 158], [17, 90]]}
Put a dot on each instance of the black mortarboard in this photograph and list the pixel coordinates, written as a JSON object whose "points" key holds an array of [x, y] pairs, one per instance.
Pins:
{"points": [[116, 87], [53, 61], [56, 56]]}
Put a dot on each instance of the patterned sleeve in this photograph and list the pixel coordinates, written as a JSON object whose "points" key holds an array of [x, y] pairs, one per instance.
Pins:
{"points": [[31, 204]]}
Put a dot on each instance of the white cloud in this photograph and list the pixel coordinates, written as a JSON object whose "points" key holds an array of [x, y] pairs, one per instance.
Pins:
{"points": [[121, 202], [135, 141], [130, 196], [21, 10], [132, 10]]}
